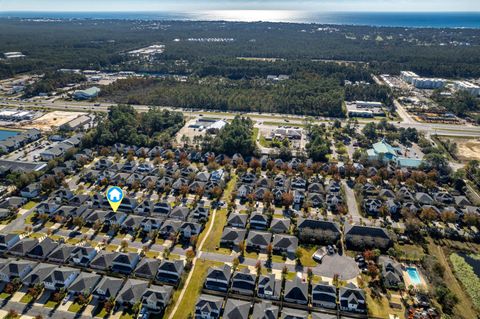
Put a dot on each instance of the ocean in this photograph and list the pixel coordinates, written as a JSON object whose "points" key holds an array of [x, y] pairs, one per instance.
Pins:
{"points": [[388, 19], [5, 134]]}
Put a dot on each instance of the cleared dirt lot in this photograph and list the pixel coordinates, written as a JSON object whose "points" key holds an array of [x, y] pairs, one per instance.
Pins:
{"points": [[52, 119], [468, 149]]}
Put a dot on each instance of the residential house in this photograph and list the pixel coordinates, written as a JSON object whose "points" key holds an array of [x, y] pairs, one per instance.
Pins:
{"points": [[218, 278], [280, 225], [392, 274], [147, 268], [352, 299], [258, 240], [23, 246], [269, 287], [103, 261], [324, 295], [107, 288], [236, 309], [243, 282], [132, 292], [38, 274], [42, 249], [60, 277], [366, 236], [7, 241], [259, 221], [208, 307], [82, 256], [61, 254], [290, 313], [125, 263], [265, 310], [237, 220], [170, 271], [16, 269], [31, 190], [232, 237], [285, 244], [156, 298], [85, 283], [296, 291]]}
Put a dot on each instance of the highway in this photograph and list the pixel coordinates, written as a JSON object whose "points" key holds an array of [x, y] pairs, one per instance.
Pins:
{"points": [[407, 120]]}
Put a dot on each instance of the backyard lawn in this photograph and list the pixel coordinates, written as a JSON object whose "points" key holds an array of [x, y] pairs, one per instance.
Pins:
{"points": [[380, 308], [307, 252], [217, 230], [193, 290], [29, 205]]}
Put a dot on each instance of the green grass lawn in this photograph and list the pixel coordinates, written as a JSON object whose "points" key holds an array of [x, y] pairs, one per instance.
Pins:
{"points": [[102, 313], [75, 307], [409, 252], [223, 251], [4, 295], [193, 290], [26, 298], [73, 241], [152, 254], [127, 314], [111, 248], [277, 259], [307, 253], [216, 233], [51, 304], [252, 255], [29, 205], [29, 218]]}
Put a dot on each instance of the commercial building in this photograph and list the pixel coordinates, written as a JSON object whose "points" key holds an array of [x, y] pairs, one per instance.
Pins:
{"points": [[428, 83], [466, 86], [87, 94], [408, 76], [364, 109], [384, 152], [13, 55]]}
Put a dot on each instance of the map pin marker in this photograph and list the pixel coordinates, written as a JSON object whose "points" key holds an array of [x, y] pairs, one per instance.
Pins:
{"points": [[114, 197]]}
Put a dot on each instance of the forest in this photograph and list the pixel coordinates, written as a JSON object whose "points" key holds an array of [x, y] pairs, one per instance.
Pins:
{"points": [[52, 81], [102, 44], [235, 137], [309, 94], [125, 125]]}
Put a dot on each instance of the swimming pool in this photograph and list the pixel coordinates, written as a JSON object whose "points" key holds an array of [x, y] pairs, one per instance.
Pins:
{"points": [[414, 276]]}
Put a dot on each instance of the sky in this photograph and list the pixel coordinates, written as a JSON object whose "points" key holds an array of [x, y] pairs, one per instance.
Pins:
{"points": [[205, 5]]}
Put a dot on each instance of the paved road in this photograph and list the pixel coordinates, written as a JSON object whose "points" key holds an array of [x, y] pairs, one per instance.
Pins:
{"points": [[351, 200], [439, 129], [33, 310]]}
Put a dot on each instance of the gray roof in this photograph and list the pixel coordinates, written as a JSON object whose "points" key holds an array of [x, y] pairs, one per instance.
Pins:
{"points": [[236, 309], [103, 260], [110, 285], [132, 291], [265, 310], [39, 273], [207, 303], [85, 282], [147, 267]]}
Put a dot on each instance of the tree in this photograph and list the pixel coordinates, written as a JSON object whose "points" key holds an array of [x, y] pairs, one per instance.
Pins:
{"points": [[235, 263], [370, 131], [299, 255], [287, 200]]}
